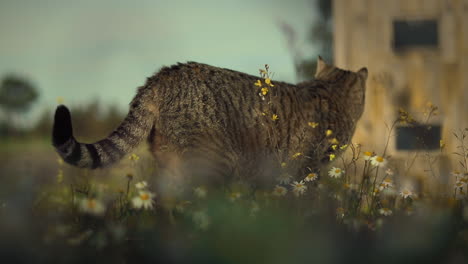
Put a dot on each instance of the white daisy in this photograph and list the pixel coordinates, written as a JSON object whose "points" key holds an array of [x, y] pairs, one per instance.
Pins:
{"points": [[141, 185], [200, 192], [387, 183], [254, 208], [311, 177], [389, 172], [367, 155], [340, 212], [459, 184], [143, 200], [234, 196], [406, 193], [279, 191], [335, 172], [284, 178], [376, 191], [378, 161], [385, 211], [351, 187], [460, 195], [92, 206], [299, 188], [201, 219], [181, 206], [389, 192]]}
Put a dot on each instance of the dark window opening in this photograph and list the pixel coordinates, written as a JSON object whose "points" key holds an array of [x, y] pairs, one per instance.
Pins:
{"points": [[415, 33], [418, 137]]}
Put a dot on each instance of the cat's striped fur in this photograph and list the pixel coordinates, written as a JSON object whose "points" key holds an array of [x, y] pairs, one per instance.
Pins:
{"points": [[215, 118]]}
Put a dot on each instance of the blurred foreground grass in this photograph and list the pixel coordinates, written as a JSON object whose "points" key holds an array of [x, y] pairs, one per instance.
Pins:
{"points": [[53, 213]]}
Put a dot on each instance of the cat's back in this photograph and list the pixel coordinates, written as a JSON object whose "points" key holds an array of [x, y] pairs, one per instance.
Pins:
{"points": [[204, 89]]}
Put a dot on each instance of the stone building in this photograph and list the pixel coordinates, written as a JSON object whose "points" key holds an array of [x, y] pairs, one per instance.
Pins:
{"points": [[416, 52]]}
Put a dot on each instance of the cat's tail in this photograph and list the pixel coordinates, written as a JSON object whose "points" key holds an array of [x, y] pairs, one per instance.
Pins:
{"points": [[127, 136]]}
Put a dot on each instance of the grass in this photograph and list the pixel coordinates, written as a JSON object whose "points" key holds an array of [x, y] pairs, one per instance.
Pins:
{"points": [[43, 217], [364, 207]]}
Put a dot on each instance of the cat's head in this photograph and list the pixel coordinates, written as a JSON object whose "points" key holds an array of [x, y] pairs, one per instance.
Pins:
{"points": [[351, 85], [328, 72]]}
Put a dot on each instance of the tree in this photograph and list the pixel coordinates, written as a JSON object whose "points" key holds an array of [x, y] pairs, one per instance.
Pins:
{"points": [[320, 36], [16, 97]]}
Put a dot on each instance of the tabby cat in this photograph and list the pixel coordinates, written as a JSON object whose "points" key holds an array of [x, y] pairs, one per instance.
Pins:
{"points": [[204, 121]]}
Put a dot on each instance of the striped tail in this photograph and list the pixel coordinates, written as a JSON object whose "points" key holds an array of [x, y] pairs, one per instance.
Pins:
{"points": [[120, 142]]}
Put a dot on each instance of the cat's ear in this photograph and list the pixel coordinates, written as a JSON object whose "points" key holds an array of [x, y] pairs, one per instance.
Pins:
{"points": [[320, 65], [363, 73]]}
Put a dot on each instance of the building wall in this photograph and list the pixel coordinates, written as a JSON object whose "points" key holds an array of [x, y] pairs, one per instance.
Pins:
{"points": [[363, 36]]}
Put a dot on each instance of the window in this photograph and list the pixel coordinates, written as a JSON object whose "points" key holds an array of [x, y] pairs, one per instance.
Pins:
{"points": [[415, 33], [418, 137]]}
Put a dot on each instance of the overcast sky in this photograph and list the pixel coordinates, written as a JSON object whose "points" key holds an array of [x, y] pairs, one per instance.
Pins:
{"points": [[82, 50]]}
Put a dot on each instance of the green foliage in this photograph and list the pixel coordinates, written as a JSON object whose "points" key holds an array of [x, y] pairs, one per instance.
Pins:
{"points": [[94, 119], [321, 36], [17, 94]]}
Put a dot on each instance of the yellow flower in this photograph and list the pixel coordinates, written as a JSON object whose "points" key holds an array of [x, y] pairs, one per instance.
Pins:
{"points": [[405, 117], [344, 146], [334, 147], [60, 100], [60, 176], [268, 81], [134, 157], [258, 83], [274, 117], [334, 141], [264, 91], [313, 124], [296, 155], [332, 157], [329, 132]]}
